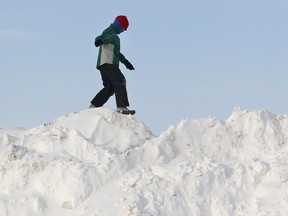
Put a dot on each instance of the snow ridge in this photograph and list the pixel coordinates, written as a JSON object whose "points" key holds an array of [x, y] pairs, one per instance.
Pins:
{"points": [[99, 162]]}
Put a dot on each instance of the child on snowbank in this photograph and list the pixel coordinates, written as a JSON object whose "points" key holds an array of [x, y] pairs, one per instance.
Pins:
{"points": [[108, 60]]}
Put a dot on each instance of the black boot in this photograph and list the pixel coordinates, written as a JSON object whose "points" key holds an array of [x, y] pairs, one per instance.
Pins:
{"points": [[125, 111]]}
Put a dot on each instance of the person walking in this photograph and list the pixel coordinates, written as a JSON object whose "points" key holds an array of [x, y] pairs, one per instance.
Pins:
{"points": [[108, 60]]}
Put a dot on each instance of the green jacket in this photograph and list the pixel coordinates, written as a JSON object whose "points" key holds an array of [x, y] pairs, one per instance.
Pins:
{"points": [[109, 51]]}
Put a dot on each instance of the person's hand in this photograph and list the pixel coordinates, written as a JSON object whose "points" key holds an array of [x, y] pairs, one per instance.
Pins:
{"points": [[128, 65], [98, 42]]}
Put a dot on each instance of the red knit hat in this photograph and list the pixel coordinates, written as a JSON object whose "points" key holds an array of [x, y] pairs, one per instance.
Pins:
{"points": [[123, 21]]}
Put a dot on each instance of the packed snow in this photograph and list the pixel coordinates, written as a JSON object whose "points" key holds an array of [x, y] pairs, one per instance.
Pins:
{"points": [[98, 162]]}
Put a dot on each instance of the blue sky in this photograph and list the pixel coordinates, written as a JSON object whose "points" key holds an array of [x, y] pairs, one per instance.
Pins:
{"points": [[192, 58]]}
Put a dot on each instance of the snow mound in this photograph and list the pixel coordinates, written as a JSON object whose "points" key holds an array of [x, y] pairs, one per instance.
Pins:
{"points": [[99, 162]]}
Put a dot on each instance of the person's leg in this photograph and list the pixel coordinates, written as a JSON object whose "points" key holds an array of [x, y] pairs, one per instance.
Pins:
{"points": [[103, 95], [118, 81]]}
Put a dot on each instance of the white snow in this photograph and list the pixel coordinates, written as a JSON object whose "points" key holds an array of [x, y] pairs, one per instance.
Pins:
{"points": [[101, 163]]}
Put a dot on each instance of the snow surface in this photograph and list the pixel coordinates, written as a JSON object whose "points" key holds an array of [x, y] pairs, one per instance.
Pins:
{"points": [[101, 163]]}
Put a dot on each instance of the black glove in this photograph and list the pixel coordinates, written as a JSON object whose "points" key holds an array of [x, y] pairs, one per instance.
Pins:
{"points": [[98, 42], [128, 65]]}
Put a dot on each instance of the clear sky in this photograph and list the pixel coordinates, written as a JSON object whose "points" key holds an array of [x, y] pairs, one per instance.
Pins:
{"points": [[192, 58]]}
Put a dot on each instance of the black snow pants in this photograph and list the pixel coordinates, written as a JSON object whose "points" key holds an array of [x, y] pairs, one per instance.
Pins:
{"points": [[113, 82]]}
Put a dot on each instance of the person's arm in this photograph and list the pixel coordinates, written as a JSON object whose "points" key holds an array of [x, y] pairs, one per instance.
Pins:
{"points": [[98, 41], [104, 40], [123, 60]]}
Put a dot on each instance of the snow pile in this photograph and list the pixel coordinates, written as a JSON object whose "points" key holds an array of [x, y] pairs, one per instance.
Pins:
{"points": [[98, 162]]}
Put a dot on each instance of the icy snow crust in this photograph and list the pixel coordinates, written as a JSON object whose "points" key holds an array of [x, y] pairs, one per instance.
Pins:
{"points": [[101, 163]]}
